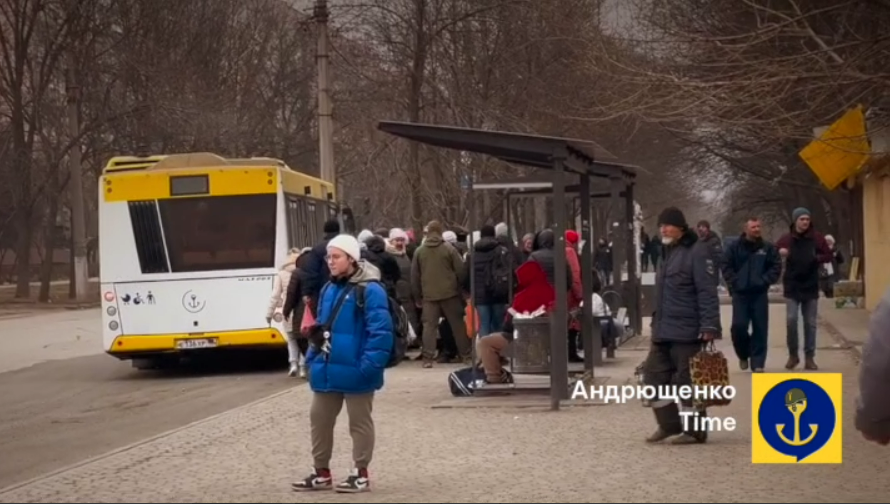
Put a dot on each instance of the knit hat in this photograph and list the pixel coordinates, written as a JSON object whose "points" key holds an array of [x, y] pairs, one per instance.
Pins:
{"points": [[434, 227], [348, 244], [502, 229], [449, 236], [672, 216], [798, 213], [487, 231], [365, 235], [398, 233], [572, 237]]}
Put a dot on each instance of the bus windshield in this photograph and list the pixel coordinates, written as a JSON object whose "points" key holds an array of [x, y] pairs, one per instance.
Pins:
{"points": [[219, 232]]}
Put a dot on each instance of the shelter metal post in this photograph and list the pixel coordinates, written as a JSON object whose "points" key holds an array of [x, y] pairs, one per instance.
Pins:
{"points": [[633, 282], [507, 199], [618, 252], [559, 366], [593, 342], [470, 270]]}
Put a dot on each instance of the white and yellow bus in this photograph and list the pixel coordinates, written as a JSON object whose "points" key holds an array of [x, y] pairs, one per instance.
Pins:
{"points": [[189, 245]]}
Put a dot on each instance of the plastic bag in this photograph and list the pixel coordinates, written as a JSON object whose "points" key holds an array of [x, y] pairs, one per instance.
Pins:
{"points": [[471, 316], [308, 321]]}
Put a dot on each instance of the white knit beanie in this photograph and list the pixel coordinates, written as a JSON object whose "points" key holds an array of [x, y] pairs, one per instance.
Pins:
{"points": [[348, 244], [449, 236], [397, 233], [365, 235]]}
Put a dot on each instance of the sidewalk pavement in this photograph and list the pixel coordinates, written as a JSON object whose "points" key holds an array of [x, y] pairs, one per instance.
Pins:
{"points": [[253, 453], [848, 325]]}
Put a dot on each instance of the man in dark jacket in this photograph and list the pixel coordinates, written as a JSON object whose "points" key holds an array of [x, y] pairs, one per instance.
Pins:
{"points": [[804, 251], [750, 266], [602, 260], [502, 234], [687, 315], [491, 299], [315, 272], [712, 240], [376, 254]]}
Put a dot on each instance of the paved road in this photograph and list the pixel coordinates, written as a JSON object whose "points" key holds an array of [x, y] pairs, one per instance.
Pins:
{"points": [[478, 455], [62, 400]]}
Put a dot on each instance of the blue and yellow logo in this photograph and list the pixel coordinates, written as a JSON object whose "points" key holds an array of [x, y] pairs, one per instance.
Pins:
{"points": [[797, 418]]}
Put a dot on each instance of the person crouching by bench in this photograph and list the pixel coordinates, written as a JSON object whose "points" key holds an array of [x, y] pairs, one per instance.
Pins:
{"points": [[533, 291]]}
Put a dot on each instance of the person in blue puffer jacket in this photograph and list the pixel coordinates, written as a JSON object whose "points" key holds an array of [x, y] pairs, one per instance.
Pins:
{"points": [[349, 353]]}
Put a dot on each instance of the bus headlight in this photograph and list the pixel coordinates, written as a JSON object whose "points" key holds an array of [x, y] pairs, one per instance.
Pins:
{"points": [[113, 325], [111, 311]]}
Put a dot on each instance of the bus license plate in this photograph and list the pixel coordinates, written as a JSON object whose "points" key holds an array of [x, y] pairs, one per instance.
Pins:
{"points": [[193, 344]]}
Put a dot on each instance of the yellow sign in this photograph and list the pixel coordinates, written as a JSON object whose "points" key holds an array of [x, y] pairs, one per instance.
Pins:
{"points": [[840, 151], [797, 418]]}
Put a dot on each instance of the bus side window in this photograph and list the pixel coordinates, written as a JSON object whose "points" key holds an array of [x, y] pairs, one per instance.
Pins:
{"points": [[146, 227], [294, 240], [312, 220]]}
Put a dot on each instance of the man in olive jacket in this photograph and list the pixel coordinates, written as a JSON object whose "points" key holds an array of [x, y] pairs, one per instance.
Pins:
{"points": [[437, 274], [687, 315]]}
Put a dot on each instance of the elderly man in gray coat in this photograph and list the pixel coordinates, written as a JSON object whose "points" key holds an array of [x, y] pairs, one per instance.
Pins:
{"points": [[873, 408], [687, 315]]}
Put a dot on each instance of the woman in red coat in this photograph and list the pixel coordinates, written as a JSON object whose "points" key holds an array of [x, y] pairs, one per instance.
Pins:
{"points": [[533, 292]]}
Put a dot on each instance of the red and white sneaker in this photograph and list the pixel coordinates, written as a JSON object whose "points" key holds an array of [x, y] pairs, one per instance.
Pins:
{"points": [[319, 479], [357, 482]]}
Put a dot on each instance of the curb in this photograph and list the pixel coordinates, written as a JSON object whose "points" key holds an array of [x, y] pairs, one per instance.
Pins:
{"points": [[839, 336], [116, 451]]}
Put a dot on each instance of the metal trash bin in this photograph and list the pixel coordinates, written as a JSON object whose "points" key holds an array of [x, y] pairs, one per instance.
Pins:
{"points": [[531, 345]]}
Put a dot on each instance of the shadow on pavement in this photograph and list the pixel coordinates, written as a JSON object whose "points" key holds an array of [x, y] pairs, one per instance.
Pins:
{"points": [[221, 363]]}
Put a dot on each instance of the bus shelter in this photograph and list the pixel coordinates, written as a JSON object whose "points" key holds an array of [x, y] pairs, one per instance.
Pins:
{"points": [[559, 156], [621, 195]]}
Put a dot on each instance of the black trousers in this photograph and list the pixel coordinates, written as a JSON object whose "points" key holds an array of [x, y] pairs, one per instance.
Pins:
{"points": [[668, 364], [751, 310]]}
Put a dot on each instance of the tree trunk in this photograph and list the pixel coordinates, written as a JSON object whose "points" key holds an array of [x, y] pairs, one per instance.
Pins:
{"points": [[22, 165], [49, 250], [72, 282], [23, 256], [418, 69]]}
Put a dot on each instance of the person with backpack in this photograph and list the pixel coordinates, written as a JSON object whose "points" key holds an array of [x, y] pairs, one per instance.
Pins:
{"points": [[349, 352], [492, 272], [576, 293]]}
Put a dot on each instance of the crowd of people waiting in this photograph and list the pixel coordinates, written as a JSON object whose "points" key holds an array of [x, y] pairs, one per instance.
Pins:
{"points": [[430, 277]]}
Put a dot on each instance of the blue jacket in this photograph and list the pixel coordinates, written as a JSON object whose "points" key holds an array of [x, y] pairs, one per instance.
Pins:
{"points": [[750, 267], [361, 339]]}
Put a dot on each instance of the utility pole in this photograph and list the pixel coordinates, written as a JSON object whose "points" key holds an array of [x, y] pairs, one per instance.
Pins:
{"points": [[75, 184], [325, 113]]}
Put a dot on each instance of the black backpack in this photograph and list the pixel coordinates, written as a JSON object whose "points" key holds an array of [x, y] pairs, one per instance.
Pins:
{"points": [[399, 323], [499, 274]]}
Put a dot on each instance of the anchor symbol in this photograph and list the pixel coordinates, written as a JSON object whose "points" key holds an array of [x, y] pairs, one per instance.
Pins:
{"points": [[796, 402], [191, 302]]}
